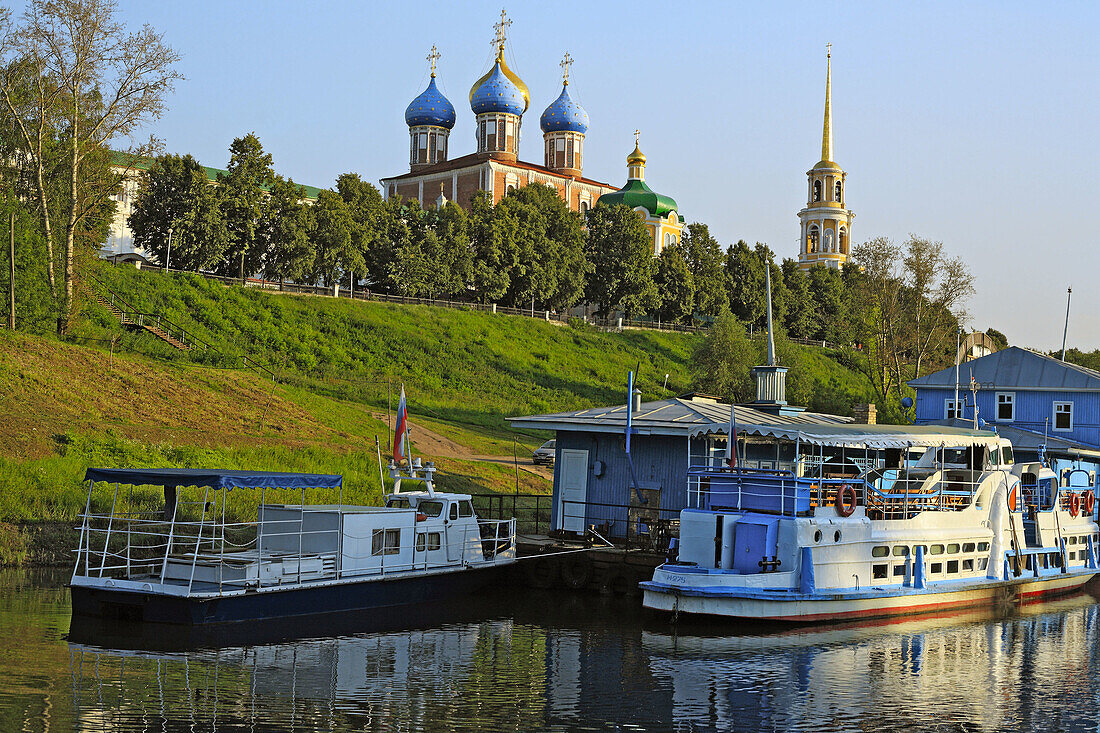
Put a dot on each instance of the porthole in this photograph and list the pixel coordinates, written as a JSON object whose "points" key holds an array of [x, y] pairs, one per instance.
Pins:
{"points": [[935, 550], [952, 549], [968, 547], [901, 551], [983, 547], [817, 536], [836, 536], [880, 551]]}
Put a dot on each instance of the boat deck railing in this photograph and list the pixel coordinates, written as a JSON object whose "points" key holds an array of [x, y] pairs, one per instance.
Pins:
{"points": [[222, 556]]}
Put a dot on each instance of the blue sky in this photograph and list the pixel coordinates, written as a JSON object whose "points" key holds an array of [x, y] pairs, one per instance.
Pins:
{"points": [[972, 123]]}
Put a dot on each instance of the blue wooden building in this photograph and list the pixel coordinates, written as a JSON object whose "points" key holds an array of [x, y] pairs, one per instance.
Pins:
{"points": [[592, 483], [1043, 405]]}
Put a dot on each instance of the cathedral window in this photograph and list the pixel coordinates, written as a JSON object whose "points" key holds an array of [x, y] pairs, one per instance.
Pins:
{"points": [[842, 239], [584, 208], [813, 238], [837, 192], [817, 191]]}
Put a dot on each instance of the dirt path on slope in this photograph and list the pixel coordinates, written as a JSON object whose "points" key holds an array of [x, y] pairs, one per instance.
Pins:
{"points": [[435, 445]]}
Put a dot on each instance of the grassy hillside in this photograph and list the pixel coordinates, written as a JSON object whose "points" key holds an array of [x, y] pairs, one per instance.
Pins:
{"points": [[118, 398]]}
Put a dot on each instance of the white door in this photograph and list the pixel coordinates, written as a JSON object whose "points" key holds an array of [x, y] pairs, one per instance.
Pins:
{"points": [[573, 490]]}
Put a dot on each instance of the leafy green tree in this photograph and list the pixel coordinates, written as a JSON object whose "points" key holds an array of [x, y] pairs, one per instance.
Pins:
{"points": [[35, 311], [704, 259], [175, 194], [799, 313], [675, 286], [723, 360], [368, 210], [999, 339], [492, 245], [550, 264], [830, 304], [334, 236], [745, 284], [453, 259], [620, 254], [285, 232], [243, 188]]}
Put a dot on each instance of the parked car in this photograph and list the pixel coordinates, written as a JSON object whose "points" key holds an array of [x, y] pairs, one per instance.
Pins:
{"points": [[544, 453]]}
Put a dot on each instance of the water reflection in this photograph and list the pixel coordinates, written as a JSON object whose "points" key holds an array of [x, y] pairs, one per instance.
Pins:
{"points": [[521, 661]]}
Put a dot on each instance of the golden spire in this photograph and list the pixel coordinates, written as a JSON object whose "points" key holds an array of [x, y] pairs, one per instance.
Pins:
{"points": [[566, 62], [827, 132], [433, 57]]}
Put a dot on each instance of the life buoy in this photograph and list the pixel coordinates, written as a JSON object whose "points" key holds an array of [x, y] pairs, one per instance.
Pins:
{"points": [[1074, 504], [1012, 500], [1090, 502], [846, 500], [576, 573]]}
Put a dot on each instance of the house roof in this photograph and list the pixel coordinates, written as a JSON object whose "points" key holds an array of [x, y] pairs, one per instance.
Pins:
{"points": [[683, 417], [1031, 440], [1016, 368], [142, 163], [674, 416], [476, 159]]}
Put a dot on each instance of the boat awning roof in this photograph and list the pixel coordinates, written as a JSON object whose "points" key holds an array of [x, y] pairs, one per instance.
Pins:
{"points": [[214, 478], [874, 436]]}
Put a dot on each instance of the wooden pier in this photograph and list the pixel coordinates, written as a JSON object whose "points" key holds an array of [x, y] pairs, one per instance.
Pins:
{"points": [[545, 562]]}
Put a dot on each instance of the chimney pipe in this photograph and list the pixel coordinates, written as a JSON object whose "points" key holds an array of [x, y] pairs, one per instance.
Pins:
{"points": [[636, 398]]}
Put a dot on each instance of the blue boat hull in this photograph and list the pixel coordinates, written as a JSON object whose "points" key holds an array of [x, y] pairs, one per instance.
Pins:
{"points": [[281, 603]]}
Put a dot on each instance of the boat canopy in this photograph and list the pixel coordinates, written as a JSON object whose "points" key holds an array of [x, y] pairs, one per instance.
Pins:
{"points": [[214, 478], [875, 436]]}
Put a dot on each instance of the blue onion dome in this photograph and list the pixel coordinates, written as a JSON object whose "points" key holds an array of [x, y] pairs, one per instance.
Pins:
{"points": [[564, 115], [430, 108], [497, 93]]}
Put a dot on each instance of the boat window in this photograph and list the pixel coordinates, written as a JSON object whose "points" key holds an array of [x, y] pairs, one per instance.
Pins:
{"points": [[952, 566], [935, 550], [1006, 455], [431, 508], [880, 551], [983, 547], [937, 567], [420, 542], [968, 547], [433, 540], [1071, 540], [398, 503], [901, 551], [952, 548], [899, 570], [464, 509], [385, 542], [983, 563], [454, 511], [817, 536], [836, 536], [968, 564], [878, 571]]}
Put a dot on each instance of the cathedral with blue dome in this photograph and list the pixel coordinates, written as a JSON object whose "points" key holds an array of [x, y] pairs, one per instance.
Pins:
{"points": [[498, 101]]}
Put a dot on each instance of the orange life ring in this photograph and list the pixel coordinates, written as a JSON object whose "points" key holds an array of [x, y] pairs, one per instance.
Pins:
{"points": [[1090, 502], [846, 500], [1012, 500], [1074, 504]]}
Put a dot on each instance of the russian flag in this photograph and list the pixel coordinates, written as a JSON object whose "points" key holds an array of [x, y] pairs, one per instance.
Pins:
{"points": [[400, 433]]}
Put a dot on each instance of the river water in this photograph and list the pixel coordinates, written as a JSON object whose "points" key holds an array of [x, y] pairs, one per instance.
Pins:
{"points": [[524, 661]]}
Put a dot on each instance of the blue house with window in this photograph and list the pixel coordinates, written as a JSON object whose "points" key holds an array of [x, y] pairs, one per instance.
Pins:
{"points": [[1038, 402]]}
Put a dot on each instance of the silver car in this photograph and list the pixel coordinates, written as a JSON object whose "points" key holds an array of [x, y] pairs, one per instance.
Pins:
{"points": [[544, 453]]}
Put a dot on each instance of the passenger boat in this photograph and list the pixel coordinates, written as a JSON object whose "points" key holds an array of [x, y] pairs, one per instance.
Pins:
{"points": [[962, 525], [189, 565]]}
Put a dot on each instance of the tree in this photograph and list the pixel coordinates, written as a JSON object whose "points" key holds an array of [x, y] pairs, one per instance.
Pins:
{"points": [[83, 74], [367, 210], [285, 228], [492, 251], [675, 286], [939, 286], [878, 297], [831, 307], [745, 284], [620, 255], [243, 188], [799, 317], [723, 360], [176, 195], [550, 265], [999, 339], [704, 258], [453, 261], [333, 238]]}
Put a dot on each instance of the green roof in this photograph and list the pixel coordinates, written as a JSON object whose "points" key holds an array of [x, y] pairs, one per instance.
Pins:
{"points": [[143, 163], [635, 193]]}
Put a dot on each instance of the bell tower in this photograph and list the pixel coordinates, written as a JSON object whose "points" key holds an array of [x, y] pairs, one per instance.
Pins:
{"points": [[826, 221]]}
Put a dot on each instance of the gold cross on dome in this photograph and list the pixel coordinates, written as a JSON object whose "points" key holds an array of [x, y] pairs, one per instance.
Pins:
{"points": [[501, 30], [636, 134], [566, 62], [434, 56], [829, 50]]}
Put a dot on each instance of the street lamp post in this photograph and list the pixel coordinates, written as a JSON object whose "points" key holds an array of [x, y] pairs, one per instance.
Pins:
{"points": [[168, 258]]}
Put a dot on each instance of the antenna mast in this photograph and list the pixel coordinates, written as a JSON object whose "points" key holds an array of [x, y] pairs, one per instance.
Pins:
{"points": [[1069, 294]]}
